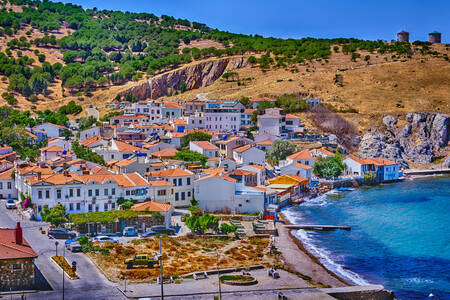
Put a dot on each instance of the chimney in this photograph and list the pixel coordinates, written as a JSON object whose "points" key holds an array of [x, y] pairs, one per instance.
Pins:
{"points": [[18, 233], [39, 175]]}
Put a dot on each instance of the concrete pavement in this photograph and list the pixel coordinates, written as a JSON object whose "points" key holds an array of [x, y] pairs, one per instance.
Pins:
{"points": [[92, 284]]}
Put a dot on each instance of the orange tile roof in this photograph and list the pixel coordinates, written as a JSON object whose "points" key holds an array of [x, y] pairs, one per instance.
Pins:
{"points": [[205, 145], [178, 134], [90, 141], [268, 142], [171, 104], [358, 160], [34, 168], [227, 178], [242, 149], [171, 173], [297, 178], [52, 148], [6, 175], [239, 172], [304, 154], [289, 116], [125, 162], [168, 152], [249, 111], [325, 152], [263, 100], [152, 206], [302, 166], [262, 168], [160, 183], [214, 171], [100, 171], [60, 126], [31, 135], [9, 249], [125, 147], [137, 179], [380, 161], [179, 122]]}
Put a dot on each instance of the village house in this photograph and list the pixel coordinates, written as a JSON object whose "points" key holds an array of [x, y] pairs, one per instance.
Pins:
{"points": [[245, 177], [229, 195], [303, 157], [17, 270], [246, 117], [228, 144], [167, 153], [264, 145], [297, 169], [172, 110], [129, 119], [182, 181], [95, 141], [164, 209], [90, 132], [356, 166], [191, 107], [175, 138], [222, 119], [322, 152], [51, 130], [7, 186], [295, 185], [196, 121], [138, 163], [271, 123], [117, 150], [162, 191], [254, 103], [248, 155], [205, 148], [260, 171], [60, 142], [293, 123], [384, 170]]}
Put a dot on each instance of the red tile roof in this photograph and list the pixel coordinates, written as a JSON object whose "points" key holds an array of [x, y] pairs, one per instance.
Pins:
{"points": [[304, 154], [171, 173], [289, 116], [205, 145], [168, 153], [52, 148], [9, 249], [152, 206], [160, 183], [125, 147], [171, 104], [302, 166], [90, 141], [242, 149], [6, 175]]}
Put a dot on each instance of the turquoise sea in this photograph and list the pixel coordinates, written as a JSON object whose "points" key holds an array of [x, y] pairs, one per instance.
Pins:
{"points": [[400, 235]]}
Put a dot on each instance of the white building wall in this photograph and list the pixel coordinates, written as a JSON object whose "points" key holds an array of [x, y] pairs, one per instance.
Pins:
{"points": [[8, 189], [225, 121]]}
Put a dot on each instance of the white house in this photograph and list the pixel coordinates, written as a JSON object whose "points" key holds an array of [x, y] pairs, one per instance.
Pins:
{"points": [[7, 187], [355, 166], [269, 123], [182, 181], [219, 193], [304, 157], [60, 142], [260, 171], [117, 150], [90, 132], [293, 123], [164, 209], [161, 191], [228, 164], [205, 148], [51, 130], [247, 155], [297, 169], [222, 119], [322, 152], [383, 169]]}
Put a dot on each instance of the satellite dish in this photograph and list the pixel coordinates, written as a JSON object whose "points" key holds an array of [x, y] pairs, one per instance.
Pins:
{"points": [[64, 152], [224, 137]]}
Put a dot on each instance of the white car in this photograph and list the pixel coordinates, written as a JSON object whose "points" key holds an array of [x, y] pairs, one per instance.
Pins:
{"points": [[10, 204], [103, 239]]}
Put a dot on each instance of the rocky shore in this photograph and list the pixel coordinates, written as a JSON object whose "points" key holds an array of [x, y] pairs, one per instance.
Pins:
{"points": [[421, 139]]}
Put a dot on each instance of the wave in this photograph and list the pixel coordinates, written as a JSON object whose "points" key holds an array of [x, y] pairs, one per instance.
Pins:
{"points": [[325, 258], [317, 201], [323, 255]]}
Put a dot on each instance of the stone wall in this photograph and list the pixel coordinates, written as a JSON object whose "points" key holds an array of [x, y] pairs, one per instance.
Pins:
{"points": [[23, 278]]}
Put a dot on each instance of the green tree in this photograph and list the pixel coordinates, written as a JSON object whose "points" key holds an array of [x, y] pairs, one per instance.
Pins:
{"points": [[245, 101], [254, 118], [328, 167], [252, 60], [280, 150], [195, 136], [55, 215], [191, 156]]}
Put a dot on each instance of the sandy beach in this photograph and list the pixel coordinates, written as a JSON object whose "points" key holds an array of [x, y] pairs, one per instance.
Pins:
{"points": [[298, 259]]}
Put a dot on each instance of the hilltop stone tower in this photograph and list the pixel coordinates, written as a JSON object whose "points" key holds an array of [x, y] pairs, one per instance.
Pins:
{"points": [[434, 37], [403, 36]]}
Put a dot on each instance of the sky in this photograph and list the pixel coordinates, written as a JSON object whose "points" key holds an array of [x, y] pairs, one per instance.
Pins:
{"points": [[364, 19]]}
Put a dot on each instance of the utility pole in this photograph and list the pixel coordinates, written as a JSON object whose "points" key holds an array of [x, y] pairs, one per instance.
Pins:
{"points": [[63, 260], [218, 275], [161, 268]]}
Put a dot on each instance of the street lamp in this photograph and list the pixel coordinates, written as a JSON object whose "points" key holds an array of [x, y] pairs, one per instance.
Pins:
{"points": [[161, 268], [62, 262], [56, 246], [218, 275]]}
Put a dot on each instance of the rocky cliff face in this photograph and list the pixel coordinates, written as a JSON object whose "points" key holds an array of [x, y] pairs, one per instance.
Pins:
{"points": [[420, 140], [195, 76]]}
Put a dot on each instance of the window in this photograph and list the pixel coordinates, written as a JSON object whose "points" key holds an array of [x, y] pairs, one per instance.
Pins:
{"points": [[39, 208], [70, 206], [78, 206], [113, 206], [180, 181], [113, 191], [90, 193], [90, 207], [189, 194], [78, 192], [70, 192], [188, 181], [174, 182], [127, 193], [96, 208], [1, 185], [16, 266], [176, 196], [39, 194], [47, 194], [97, 192], [183, 196], [105, 206], [161, 192], [106, 192], [9, 185]]}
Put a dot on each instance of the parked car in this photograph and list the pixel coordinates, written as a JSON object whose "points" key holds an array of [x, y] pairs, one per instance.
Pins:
{"points": [[148, 234], [10, 204], [103, 239], [161, 229], [75, 247], [277, 170], [130, 231], [141, 260], [273, 273], [68, 242], [61, 233]]}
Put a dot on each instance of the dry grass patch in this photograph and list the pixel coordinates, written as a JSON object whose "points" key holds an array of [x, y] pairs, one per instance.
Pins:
{"points": [[182, 255]]}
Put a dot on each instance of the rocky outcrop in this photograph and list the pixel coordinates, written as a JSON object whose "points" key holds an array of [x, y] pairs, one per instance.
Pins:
{"points": [[419, 140], [193, 76]]}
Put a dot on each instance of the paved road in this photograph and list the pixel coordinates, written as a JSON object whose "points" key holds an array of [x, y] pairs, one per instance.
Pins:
{"points": [[91, 285]]}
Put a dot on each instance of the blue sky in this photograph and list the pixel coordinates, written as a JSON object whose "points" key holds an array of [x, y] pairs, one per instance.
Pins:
{"points": [[364, 19]]}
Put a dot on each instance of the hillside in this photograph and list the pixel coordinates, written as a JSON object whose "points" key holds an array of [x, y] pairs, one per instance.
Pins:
{"points": [[52, 53]]}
